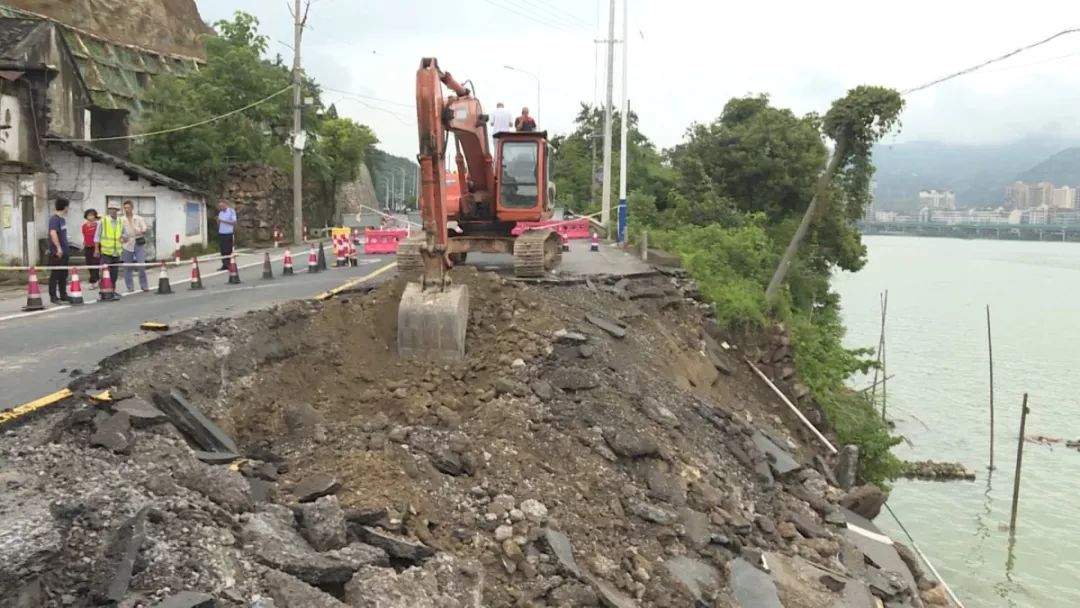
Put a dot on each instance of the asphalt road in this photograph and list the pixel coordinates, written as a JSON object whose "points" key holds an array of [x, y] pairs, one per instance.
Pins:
{"points": [[40, 351]]}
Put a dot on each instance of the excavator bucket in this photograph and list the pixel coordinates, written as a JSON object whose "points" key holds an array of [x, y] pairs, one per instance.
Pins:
{"points": [[432, 322]]}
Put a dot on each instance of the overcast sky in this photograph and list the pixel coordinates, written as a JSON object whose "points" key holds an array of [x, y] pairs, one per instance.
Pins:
{"points": [[687, 58]]}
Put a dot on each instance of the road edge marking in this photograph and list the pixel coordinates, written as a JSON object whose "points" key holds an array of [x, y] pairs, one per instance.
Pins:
{"points": [[21, 411], [326, 295]]}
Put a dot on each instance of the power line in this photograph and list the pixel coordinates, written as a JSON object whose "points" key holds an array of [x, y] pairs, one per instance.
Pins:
{"points": [[400, 118], [183, 128], [551, 6], [532, 18], [370, 97], [988, 62], [551, 12]]}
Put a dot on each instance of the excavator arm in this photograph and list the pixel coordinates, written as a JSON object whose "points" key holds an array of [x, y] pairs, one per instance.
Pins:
{"points": [[437, 117]]}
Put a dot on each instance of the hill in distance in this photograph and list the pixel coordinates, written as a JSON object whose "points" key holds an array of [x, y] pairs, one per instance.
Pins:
{"points": [[1061, 169], [977, 173]]}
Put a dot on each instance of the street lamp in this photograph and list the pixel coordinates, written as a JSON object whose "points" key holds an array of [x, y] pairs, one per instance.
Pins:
{"points": [[404, 176], [535, 77]]}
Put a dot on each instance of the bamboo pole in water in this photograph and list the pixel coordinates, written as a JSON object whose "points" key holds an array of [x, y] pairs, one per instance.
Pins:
{"points": [[881, 354], [1019, 463], [990, 348]]}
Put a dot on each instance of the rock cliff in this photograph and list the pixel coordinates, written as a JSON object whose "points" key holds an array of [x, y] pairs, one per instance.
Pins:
{"points": [[169, 26]]}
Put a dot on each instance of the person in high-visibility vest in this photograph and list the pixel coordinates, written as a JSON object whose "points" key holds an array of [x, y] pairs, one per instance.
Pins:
{"points": [[109, 238]]}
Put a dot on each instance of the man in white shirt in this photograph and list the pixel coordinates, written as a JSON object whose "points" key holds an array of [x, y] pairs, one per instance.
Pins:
{"points": [[500, 119]]}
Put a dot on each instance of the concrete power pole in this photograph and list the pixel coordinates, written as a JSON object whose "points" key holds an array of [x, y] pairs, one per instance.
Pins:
{"points": [[605, 196], [297, 132], [624, 125]]}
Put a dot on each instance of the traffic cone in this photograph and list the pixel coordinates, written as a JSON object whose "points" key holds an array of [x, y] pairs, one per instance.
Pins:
{"points": [[196, 276], [75, 296], [322, 257], [33, 293], [339, 252], [594, 245], [354, 255], [565, 242], [312, 260], [268, 271], [234, 272], [286, 264], [163, 287], [106, 292]]}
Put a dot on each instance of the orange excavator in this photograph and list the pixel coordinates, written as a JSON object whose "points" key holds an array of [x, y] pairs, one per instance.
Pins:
{"points": [[494, 194]]}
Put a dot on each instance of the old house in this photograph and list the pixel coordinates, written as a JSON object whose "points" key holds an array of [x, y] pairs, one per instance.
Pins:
{"points": [[50, 120]]}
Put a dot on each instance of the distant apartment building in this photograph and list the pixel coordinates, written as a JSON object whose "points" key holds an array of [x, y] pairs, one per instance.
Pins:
{"points": [[1026, 195], [1065, 197], [937, 199], [1016, 195]]}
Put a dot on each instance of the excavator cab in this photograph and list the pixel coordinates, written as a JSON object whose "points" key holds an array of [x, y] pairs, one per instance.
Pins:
{"points": [[523, 176]]}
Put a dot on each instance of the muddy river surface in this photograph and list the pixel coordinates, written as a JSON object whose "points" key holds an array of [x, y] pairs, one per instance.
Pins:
{"points": [[936, 347]]}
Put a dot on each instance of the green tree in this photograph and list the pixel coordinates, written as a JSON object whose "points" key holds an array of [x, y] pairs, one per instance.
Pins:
{"points": [[236, 75], [574, 174]]}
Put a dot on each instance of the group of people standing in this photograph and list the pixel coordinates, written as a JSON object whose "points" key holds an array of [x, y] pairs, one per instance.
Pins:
{"points": [[108, 241], [113, 240]]}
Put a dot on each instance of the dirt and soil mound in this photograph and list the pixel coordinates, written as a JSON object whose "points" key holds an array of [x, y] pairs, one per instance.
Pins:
{"points": [[597, 446]]}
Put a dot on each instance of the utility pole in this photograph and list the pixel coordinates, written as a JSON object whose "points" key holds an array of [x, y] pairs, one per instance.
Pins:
{"points": [[297, 131], [624, 123], [605, 196]]}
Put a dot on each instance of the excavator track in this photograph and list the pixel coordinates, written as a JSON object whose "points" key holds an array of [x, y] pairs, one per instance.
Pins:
{"points": [[536, 252], [409, 260]]}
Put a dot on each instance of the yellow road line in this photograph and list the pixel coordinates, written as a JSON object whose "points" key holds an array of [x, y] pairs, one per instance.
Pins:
{"points": [[30, 407], [326, 295]]}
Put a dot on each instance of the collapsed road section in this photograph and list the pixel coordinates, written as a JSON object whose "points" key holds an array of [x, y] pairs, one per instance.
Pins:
{"points": [[600, 444]]}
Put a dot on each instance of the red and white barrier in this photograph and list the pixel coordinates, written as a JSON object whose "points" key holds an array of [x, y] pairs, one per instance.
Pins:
{"points": [[377, 242], [571, 229]]}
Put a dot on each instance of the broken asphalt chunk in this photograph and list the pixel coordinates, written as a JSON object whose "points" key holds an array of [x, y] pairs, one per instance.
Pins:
{"points": [[315, 487], [570, 337], [140, 412], [563, 551], [395, 546], [573, 379], [188, 599], [113, 433], [695, 575], [607, 325], [121, 555], [780, 460], [751, 587], [194, 425]]}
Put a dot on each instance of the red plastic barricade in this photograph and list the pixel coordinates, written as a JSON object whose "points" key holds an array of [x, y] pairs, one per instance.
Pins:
{"points": [[382, 241]]}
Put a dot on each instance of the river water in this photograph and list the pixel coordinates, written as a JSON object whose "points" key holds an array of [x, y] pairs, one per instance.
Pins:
{"points": [[936, 347]]}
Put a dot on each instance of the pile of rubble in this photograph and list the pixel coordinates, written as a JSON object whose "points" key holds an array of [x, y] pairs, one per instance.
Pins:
{"points": [[600, 445]]}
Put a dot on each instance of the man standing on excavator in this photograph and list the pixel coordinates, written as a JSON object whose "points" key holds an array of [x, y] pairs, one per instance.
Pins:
{"points": [[500, 119], [525, 122]]}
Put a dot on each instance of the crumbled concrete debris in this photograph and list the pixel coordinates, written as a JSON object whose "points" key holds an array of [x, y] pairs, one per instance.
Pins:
{"points": [[847, 466], [121, 555], [865, 500], [515, 463]]}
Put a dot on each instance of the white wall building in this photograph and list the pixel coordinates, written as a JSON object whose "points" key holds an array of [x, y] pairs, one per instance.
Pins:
{"points": [[937, 199], [90, 178]]}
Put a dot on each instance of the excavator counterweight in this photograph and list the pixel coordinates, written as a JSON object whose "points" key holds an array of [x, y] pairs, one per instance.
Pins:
{"points": [[491, 194]]}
